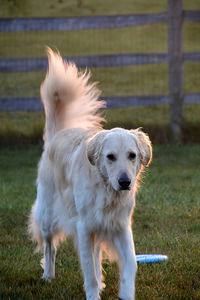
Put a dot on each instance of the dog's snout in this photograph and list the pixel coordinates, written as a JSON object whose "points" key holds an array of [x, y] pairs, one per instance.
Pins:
{"points": [[124, 182]]}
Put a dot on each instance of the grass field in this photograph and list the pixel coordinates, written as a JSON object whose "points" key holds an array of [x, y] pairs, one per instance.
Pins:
{"points": [[35, 8], [166, 221], [151, 79], [136, 39], [25, 128]]}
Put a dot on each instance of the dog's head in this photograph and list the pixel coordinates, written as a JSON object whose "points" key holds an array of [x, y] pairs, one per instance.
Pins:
{"points": [[119, 155]]}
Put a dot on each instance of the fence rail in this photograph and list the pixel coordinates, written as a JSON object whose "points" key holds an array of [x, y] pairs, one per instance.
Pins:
{"points": [[79, 23], [92, 61], [34, 103], [92, 22]]}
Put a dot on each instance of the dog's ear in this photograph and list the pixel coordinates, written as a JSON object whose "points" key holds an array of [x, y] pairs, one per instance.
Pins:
{"points": [[144, 146], [94, 147]]}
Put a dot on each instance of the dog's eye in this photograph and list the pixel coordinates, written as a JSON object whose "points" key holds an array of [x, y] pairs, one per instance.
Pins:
{"points": [[111, 157], [132, 156]]}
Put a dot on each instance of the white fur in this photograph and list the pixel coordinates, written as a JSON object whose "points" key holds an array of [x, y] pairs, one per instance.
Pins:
{"points": [[78, 188]]}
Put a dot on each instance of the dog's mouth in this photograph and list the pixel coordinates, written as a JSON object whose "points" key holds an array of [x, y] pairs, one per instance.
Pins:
{"points": [[128, 188]]}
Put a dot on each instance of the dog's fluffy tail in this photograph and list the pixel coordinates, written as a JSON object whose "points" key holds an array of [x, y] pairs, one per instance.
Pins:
{"points": [[69, 99]]}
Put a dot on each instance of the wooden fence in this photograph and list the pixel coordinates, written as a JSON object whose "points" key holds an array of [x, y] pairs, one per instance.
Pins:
{"points": [[92, 61]]}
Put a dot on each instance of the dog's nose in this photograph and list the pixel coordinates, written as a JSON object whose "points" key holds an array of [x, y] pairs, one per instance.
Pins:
{"points": [[124, 182]]}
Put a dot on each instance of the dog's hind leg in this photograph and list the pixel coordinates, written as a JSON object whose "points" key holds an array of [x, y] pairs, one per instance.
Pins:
{"points": [[44, 213], [49, 258]]}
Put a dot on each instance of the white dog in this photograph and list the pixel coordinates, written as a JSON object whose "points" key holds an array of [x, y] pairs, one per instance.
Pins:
{"points": [[87, 180]]}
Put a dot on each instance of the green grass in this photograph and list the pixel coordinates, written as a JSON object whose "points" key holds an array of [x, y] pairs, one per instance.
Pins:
{"points": [[133, 80], [32, 8], [150, 79], [136, 39], [26, 128], [166, 221]]}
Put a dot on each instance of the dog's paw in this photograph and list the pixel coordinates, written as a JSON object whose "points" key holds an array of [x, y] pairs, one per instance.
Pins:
{"points": [[92, 294], [46, 278], [89, 297], [126, 298]]}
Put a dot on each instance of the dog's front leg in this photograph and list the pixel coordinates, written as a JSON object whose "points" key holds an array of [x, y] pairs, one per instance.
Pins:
{"points": [[86, 252], [98, 267], [126, 250]]}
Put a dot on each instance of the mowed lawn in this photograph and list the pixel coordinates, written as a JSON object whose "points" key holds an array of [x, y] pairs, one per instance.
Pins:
{"points": [[166, 221]]}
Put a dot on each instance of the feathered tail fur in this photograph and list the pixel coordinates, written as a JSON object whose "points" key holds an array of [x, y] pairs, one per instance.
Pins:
{"points": [[69, 99]]}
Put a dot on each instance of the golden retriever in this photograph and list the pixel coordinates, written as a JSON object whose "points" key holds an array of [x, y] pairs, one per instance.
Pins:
{"points": [[87, 179]]}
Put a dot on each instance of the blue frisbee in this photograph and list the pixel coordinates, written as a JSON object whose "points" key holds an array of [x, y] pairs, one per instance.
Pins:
{"points": [[150, 258]]}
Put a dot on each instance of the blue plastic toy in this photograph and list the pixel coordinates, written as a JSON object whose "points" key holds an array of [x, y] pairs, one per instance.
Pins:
{"points": [[150, 258]]}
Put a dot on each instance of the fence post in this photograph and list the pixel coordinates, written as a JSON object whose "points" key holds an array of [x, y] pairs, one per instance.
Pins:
{"points": [[175, 55]]}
